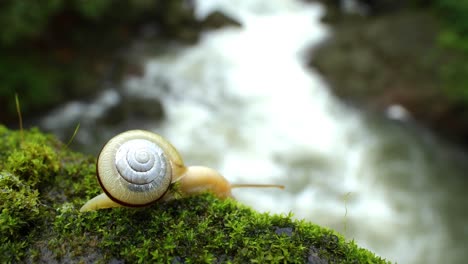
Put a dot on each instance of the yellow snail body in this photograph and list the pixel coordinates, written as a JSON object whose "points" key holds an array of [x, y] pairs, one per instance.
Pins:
{"points": [[137, 167]]}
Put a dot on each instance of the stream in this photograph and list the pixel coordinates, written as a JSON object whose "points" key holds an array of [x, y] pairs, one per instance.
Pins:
{"points": [[243, 101]]}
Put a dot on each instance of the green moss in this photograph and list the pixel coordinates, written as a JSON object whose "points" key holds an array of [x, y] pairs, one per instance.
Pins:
{"points": [[43, 185]]}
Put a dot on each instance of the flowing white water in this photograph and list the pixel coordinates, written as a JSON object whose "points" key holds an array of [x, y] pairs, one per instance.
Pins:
{"points": [[242, 101]]}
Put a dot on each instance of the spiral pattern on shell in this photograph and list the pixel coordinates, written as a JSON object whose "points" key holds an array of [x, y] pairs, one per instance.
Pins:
{"points": [[135, 168], [141, 162]]}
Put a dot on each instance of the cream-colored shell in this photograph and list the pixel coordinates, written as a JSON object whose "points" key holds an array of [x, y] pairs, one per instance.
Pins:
{"points": [[131, 190], [120, 191]]}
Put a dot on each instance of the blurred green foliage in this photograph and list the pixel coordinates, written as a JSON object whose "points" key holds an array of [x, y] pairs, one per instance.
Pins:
{"points": [[453, 39], [26, 76], [455, 15], [24, 18], [54, 50]]}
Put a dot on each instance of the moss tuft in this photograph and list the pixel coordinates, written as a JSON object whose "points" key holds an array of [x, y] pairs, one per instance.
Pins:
{"points": [[19, 205], [43, 185]]}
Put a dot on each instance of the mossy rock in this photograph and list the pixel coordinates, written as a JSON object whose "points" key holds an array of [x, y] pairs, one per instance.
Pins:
{"points": [[43, 184]]}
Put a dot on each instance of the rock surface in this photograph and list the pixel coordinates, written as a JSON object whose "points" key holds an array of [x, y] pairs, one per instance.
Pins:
{"points": [[391, 59], [43, 184]]}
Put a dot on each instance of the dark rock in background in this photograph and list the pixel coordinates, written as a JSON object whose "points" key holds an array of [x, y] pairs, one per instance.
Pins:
{"points": [[391, 58]]}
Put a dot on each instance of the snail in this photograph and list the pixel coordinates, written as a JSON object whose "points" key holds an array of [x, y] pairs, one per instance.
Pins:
{"points": [[137, 168]]}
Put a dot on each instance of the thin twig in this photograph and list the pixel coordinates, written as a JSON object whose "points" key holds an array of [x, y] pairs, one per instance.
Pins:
{"points": [[346, 212], [18, 110], [73, 136]]}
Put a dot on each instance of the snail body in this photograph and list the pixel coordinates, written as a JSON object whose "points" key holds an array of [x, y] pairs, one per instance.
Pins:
{"points": [[137, 167]]}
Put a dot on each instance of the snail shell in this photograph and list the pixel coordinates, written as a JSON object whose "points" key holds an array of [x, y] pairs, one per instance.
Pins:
{"points": [[135, 168]]}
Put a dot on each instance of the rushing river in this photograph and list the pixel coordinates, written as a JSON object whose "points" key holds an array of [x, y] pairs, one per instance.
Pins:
{"points": [[242, 101]]}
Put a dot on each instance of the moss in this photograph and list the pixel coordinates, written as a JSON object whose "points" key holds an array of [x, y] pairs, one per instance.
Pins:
{"points": [[43, 185]]}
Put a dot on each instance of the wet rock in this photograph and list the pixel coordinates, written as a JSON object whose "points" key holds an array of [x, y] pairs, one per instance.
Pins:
{"points": [[217, 20], [314, 258], [381, 61], [284, 231], [368, 7], [138, 108]]}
